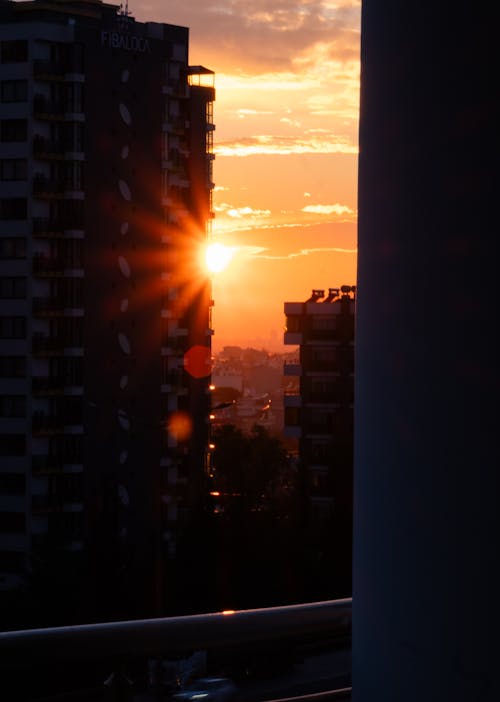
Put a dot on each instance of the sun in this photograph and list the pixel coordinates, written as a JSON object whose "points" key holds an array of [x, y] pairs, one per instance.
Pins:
{"points": [[217, 257]]}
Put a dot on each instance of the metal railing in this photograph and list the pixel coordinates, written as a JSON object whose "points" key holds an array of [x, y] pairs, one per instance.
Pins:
{"points": [[150, 636], [123, 641]]}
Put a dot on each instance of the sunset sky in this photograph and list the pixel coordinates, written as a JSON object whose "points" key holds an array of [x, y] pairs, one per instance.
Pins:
{"points": [[286, 114]]}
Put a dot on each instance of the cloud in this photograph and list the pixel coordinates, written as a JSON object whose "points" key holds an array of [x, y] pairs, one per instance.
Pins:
{"points": [[308, 252], [249, 251], [328, 209], [264, 33], [240, 212], [323, 143], [291, 122], [260, 252], [245, 112]]}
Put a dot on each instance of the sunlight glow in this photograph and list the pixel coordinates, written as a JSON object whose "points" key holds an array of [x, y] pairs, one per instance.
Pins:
{"points": [[217, 257]]}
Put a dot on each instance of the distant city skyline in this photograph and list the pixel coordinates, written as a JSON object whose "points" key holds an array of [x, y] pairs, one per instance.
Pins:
{"points": [[286, 143]]}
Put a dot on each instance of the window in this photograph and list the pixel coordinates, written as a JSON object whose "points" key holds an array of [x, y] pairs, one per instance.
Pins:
{"points": [[325, 322], [70, 134], [12, 483], [319, 478], [13, 169], [15, 51], [12, 288], [69, 288], [77, 58], [12, 444], [12, 328], [73, 253], [323, 387], [179, 52], [321, 450], [12, 561], [12, 247], [321, 508], [12, 366], [292, 416], [321, 419], [173, 71], [324, 355], [293, 323], [13, 208], [12, 522], [14, 90], [68, 368], [14, 130], [12, 406], [68, 447]]}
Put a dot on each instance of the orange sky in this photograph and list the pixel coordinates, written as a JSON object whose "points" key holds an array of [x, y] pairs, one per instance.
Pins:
{"points": [[286, 114]]}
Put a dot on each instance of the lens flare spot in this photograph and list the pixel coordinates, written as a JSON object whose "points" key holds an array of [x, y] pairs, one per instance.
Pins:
{"points": [[180, 426], [198, 361], [217, 257]]}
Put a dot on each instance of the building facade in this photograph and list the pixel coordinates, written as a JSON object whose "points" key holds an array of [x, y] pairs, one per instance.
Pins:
{"points": [[319, 415], [105, 204]]}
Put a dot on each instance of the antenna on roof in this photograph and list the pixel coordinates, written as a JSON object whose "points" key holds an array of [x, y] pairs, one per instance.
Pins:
{"points": [[124, 15]]}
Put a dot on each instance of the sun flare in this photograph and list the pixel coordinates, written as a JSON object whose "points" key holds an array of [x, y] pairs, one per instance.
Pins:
{"points": [[217, 257]]}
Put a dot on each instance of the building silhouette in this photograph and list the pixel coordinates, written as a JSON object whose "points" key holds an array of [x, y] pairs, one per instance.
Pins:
{"points": [[105, 205], [319, 414]]}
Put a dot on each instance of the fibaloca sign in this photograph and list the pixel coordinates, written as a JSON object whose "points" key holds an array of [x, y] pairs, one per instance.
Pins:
{"points": [[127, 42]]}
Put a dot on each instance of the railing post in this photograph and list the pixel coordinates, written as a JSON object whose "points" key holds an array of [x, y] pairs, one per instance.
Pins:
{"points": [[119, 687]]}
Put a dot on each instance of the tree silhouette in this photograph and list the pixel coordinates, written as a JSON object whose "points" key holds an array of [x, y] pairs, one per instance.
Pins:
{"points": [[249, 466]]}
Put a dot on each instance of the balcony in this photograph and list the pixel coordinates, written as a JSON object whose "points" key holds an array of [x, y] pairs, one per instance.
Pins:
{"points": [[342, 332], [292, 368], [292, 338], [178, 126], [178, 91], [292, 399], [49, 70], [319, 429], [50, 188], [53, 227], [55, 463], [43, 504], [49, 306], [47, 424], [283, 634], [48, 149], [43, 108], [51, 385], [46, 465], [48, 265], [53, 345], [292, 431], [340, 396]]}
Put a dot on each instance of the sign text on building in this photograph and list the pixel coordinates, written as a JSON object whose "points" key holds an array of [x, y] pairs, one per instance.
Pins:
{"points": [[128, 42]]}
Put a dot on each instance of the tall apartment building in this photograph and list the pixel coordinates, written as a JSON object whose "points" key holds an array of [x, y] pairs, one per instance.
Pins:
{"points": [[319, 414], [105, 202]]}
